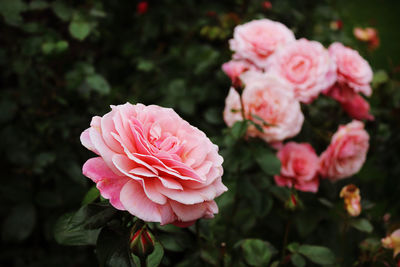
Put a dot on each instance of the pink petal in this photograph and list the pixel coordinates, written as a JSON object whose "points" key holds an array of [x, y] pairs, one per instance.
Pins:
{"points": [[138, 204], [85, 140], [108, 183]]}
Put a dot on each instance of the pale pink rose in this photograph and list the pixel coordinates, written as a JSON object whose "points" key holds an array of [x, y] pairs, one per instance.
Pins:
{"points": [[354, 104], [299, 167], [234, 68], [258, 39], [154, 164], [352, 69], [307, 66], [271, 99], [347, 152], [233, 109]]}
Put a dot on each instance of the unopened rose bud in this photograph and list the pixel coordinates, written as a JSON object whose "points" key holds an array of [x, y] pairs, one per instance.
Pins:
{"points": [[142, 7], [351, 195], [336, 25], [266, 5], [141, 242], [292, 203], [392, 242]]}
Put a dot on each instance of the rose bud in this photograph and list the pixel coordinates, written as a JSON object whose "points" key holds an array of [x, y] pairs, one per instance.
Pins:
{"points": [[392, 242], [336, 25], [293, 202], [141, 242], [142, 7], [266, 5], [351, 195], [369, 35]]}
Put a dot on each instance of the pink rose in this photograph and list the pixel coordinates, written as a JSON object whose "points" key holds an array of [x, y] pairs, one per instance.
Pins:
{"points": [[234, 68], [232, 111], [357, 108], [154, 164], [271, 99], [307, 66], [352, 69], [347, 152], [258, 39], [351, 102], [299, 167]]}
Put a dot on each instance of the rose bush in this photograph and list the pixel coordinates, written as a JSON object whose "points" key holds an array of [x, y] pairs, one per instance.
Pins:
{"points": [[154, 164]]}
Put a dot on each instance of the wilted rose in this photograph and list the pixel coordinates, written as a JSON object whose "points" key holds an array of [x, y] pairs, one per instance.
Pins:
{"points": [[299, 167], [258, 39], [347, 152], [392, 242], [351, 195], [154, 164]]}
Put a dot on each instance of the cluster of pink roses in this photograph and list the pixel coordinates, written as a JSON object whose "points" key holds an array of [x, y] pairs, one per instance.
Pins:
{"points": [[277, 72]]}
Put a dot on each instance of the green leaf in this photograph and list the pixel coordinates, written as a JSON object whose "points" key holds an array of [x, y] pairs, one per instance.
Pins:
{"points": [[145, 65], [38, 5], [362, 225], [297, 260], [257, 252], [266, 159], [66, 232], [79, 29], [62, 11], [112, 249], [19, 223], [239, 129], [317, 254], [47, 48], [380, 77], [293, 247], [154, 259], [98, 83], [61, 46], [11, 11], [91, 195]]}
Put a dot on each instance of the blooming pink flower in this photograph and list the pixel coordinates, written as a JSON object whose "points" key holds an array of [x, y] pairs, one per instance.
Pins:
{"points": [[347, 152], [233, 109], [154, 164], [234, 68], [352, 69], [392, 242], [354, 104], [258, 39], [271, 99], [299, 167], [306, 65]]}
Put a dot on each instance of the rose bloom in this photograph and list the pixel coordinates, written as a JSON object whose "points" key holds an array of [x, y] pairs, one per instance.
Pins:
{"points": [[307, 66], [299, 167], [271, 99], [369, 35], [154, 164], [347, 152], [354, 104], [232, 110], [392, 242], [234, 68], [352, 69], [351, 195], [258, 39]]}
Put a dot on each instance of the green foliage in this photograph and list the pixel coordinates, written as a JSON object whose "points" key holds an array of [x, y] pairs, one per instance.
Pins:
{"points": [[63, 62]]}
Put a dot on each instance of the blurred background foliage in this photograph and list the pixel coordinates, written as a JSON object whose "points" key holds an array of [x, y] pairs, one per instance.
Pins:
{"points": [[63, 62]]}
